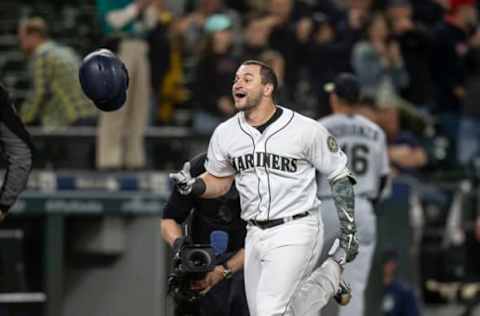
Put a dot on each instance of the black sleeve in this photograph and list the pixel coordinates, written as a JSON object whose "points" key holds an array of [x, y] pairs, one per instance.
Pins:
{"points": [[179, 206], [17, 150]]}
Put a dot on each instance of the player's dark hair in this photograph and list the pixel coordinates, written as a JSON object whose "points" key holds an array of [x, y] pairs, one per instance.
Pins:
{"points": [[266, 72]]}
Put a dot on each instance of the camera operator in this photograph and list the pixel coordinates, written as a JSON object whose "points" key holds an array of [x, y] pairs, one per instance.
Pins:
{"points": [[221, 290]]}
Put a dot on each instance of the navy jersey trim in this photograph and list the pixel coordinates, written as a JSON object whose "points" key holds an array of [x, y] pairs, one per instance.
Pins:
{"points": [[254, 167], [266, 168]]}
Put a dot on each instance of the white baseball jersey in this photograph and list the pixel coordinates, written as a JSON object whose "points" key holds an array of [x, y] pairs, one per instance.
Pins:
{"points": [[275, 170], [364, 143]]}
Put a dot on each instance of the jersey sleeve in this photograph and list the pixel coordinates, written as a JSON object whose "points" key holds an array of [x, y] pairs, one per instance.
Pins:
{"points": [[324, 152], [218, 163]]}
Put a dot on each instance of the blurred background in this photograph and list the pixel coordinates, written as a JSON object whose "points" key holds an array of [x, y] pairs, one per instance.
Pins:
{"points": [[84, 239]]}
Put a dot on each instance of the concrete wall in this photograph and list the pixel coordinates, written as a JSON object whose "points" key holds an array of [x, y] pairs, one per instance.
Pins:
{"points": [[132, 284]]}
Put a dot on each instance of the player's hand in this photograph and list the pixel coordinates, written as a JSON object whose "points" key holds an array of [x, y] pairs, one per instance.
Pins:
{"points": [[349, 243], [183, 179], [211, 279]]}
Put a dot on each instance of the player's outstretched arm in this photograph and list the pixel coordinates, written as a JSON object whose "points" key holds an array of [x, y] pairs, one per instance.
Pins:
{"points": [[344, 198], [205, 186], [215, 186]]}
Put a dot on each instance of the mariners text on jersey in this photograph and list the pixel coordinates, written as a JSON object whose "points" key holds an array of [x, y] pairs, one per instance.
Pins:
{"points": [[265, 160]]}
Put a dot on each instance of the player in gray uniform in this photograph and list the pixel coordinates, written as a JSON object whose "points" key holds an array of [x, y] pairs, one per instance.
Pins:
{"points": [[274, 153], [365, 145]]}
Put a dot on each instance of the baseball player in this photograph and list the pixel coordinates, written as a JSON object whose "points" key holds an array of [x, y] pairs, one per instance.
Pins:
{"points": [[273, 153], [364, 143]]}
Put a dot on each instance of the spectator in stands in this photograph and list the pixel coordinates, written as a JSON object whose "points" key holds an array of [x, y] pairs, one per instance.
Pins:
{"points": [[416, 49], [468, 148], [214, 74], [17, 149], [377, 60], [288, 23], [192, 26], [398, 299], [166, 64], [350, 20], [160, 50], [120, 141], [328, 55], [255, 37], [429, 12], [57, 99], [451, 46]]}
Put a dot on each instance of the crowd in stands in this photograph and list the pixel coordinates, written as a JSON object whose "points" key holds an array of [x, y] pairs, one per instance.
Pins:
{"points": [[417, 62]]}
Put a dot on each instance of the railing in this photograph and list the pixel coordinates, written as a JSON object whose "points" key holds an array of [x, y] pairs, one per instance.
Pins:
{"points": [[152, 133]]}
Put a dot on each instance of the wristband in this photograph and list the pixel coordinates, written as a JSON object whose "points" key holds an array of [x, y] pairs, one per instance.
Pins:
{"points": [[198, 187]]}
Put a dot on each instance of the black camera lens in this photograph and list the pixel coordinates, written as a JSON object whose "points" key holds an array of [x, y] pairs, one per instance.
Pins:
{"points": [[199, 259], [196, 258]]}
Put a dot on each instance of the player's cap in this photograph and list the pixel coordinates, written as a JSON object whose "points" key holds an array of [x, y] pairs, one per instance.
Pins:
{"points": [[345, 86]]}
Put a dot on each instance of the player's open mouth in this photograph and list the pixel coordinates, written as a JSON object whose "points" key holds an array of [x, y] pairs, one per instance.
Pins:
{"points": [[240, 95]]}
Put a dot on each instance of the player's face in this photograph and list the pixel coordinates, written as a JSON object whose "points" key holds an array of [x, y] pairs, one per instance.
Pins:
{"points": [[247, 87]]}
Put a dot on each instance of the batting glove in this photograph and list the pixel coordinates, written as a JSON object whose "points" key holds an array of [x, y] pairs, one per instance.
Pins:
{"points": [[183, 179]]}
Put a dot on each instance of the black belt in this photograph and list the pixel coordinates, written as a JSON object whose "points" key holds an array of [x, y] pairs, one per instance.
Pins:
{"points": [[276, 222]]}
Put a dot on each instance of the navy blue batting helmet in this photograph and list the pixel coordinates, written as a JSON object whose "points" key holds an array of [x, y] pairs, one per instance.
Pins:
{"points": [[104, 79]]}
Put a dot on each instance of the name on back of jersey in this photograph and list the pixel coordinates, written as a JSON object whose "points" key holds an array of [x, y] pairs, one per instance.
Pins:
{"points": [[354, 130]]}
